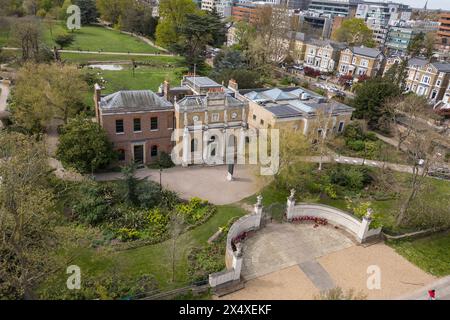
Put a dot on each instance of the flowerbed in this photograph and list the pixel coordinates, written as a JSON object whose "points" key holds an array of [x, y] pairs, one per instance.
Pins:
{"points": [[316, 220]]}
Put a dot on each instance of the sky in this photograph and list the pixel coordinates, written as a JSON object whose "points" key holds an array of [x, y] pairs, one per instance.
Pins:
{"points": [[432, 4]]}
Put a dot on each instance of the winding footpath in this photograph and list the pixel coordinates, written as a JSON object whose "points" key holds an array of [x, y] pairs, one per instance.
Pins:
{"points": [[131, 54]]}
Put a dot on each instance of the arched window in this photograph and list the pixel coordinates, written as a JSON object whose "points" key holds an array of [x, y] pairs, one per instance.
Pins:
{"points": [[194, 145], [154, 151], [121, 154]]}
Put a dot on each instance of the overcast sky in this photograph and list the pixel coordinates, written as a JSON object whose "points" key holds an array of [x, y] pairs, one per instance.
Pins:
{"points": [[432, 4]]}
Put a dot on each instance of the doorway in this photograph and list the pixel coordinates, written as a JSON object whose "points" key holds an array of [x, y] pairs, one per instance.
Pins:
{"points": [[138, 154]]}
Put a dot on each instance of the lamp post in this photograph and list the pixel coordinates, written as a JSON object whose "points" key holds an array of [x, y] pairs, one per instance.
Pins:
{"points": [[160, 178]]}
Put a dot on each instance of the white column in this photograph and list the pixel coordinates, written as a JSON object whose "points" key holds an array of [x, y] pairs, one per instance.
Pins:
{"points": [[290, 205], [258, 209], [237, 262], [241, 146], [186, 147], [365, 224]]}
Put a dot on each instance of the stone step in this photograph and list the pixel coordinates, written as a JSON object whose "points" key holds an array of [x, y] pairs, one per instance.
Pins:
{"points": [[228, 288]]}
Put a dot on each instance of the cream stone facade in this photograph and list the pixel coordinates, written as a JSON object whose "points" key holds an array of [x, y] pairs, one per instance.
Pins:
{"points": [[213, 122], [358, 61], [428, 79], [293, 108]]}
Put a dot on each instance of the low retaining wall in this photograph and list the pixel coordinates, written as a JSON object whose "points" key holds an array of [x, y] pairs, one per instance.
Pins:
{"points": [[233, 259], [359, 229]]}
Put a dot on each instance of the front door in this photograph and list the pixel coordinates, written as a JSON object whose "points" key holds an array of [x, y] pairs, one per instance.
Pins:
{"points": [[138, 152]]}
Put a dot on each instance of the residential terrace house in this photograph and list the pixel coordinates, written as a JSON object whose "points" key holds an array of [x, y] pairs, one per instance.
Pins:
{"points": [[428, 79], [322, 55], [358, 61], [138, 123]]}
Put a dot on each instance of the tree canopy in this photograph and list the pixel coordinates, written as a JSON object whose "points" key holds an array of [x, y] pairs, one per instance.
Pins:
{"points": [[84, 146], [355, 32]]}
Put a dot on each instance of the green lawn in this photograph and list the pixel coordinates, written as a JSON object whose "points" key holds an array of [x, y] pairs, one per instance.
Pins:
{"points": [[94, 38], [144, 78], [91, 38], [153, 259], [431, 254], [84, 58]]}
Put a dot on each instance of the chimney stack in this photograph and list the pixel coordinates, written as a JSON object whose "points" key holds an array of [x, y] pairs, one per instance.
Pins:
{"points": [[233, 85], [166, 89], [97, 98]]}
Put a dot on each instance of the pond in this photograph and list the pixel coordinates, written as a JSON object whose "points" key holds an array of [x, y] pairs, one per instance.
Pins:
{"points": [[108, 67]]}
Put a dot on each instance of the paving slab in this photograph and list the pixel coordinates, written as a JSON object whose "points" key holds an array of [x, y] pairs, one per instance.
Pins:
{"points": [[318, 275]]}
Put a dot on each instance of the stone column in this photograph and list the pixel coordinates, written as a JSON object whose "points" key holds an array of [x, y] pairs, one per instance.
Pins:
{"points": [[237, 262], [186, 147], [365, 224], [241, 146], [290, 205]]}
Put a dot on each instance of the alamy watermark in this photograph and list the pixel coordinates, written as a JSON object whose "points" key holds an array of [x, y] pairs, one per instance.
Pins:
{"points": [[74, 18], [74, 280], [227, 146]]}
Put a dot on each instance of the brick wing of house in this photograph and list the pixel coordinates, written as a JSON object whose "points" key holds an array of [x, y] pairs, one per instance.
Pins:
{"points": [[138, 123], [358, 61], [322, 55]]}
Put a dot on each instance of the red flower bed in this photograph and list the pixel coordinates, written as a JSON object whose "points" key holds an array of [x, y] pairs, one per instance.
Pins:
{"points": [[316, 220]]}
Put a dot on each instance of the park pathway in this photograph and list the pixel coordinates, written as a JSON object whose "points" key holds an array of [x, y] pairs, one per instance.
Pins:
{"points": [[359, 161], [131, 54]]}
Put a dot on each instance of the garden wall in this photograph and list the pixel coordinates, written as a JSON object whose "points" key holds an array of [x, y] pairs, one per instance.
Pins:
{"points": [[359, 229], [233, 259]]}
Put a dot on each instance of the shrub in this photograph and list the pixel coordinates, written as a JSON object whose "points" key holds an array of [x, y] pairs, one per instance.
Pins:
{"points": [[95, 203], [354, 131], [127, 234], [84, 146], [194, 210], [158, 221], [353, 178], [356, 145], [165, 161]]}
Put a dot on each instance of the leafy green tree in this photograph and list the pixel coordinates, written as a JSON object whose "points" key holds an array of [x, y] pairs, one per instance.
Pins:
{"points": [[355, 32], [416, 44], [84, 146], [370, 98], [195, 33], [26, 216], [397, 74], [110, 10], [244, 33], [47, 92], [65, 40], [173, 14], [89, 13]]}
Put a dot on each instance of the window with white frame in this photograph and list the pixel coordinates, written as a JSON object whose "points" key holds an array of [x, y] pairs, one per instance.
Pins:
{"points": [[345, 59], [364, 63], [438, 83], [426, 79]]}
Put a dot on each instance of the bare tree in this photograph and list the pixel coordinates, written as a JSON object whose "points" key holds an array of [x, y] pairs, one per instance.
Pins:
{"points": [[425, 155], [398, 108], [26, 33], [323, 131], [271, 43]]}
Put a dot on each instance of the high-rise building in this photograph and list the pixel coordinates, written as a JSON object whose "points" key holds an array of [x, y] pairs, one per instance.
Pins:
{"points": [[296, 4], [444, 31], [344, 8], [379, 15], [400, 34]]}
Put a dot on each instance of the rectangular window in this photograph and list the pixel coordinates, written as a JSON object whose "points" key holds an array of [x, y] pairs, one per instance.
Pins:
{"points": [[254, 117], [154, 123], [119, 126], [341, 126], [262, 122], [215, 117], [137, 125]]}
